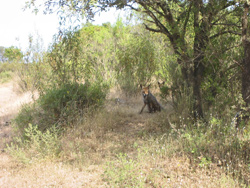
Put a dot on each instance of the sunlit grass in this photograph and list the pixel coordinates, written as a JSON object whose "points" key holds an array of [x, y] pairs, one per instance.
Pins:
{"points": [[120, 148]]}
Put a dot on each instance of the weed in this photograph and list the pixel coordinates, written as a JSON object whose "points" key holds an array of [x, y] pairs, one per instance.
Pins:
{"points": [[36, 145], [124, 172], [205, 162]]}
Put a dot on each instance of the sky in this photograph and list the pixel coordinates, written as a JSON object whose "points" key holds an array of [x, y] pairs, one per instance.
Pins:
{"points": [[16, 25]]}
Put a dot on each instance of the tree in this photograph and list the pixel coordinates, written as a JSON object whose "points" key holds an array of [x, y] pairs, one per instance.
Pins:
{"points": [[13, 54], [246, 59], [188, 25]]}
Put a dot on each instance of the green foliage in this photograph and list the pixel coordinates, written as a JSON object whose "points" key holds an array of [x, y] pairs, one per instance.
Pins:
{"points": [[13, 54], [61, 105], [80, 95], [136, 61], [124, 172], [86, 54], [27, 114], [165, 91], [36, 145], [115, 54], [205, 162]]}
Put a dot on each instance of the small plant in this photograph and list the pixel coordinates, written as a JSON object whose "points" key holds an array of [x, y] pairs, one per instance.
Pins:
{"points": [[36, 145], [204, 163], [124, 172]]}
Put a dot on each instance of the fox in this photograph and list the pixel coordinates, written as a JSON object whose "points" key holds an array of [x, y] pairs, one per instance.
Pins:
{"points": [[149, 100]]}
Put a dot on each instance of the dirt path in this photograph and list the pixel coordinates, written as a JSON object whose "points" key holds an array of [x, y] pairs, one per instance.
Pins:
{"points": [[10, 103]]}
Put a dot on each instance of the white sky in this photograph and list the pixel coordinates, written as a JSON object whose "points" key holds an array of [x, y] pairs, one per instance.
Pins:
{"points": [[16, 25]]}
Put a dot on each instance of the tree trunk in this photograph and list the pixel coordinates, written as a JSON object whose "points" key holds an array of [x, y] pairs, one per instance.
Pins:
{"points": [[199, 47], [198, 76], [246, 60], [246, 74], [185, 71]]}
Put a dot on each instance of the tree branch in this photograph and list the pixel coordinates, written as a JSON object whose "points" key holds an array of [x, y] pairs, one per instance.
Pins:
{"points": [[239, 65], [186, 21], [151, 29], [156, 20], [222, 33], [228, 24]]}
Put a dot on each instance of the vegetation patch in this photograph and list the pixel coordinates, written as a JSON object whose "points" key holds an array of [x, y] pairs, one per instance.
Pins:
{"points": [[193, 142], [61, 106], [5, 76], [36, 145]]}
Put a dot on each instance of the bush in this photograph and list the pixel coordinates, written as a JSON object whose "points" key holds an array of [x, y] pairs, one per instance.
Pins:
{"points": [[61, 106], [77, 95], [36, 145]]}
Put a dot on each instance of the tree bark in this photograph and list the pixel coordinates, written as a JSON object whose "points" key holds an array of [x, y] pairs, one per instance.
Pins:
{"points": [[246, 74], [198, 77], [199, 47], [246, 60]]}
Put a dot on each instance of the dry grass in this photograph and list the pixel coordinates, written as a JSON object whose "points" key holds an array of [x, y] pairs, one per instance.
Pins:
{"points": [[48, 174], [115, 147]]}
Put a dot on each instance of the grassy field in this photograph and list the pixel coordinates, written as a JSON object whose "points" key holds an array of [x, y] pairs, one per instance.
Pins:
{"points": [[113, 147]]}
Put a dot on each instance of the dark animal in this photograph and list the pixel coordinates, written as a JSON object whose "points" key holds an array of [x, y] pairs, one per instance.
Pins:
{"points": [[149, 100]]}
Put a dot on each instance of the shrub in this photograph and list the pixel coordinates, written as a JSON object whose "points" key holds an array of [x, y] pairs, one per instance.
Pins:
{"points": [[36, 145], [80, 96], [61, 106]]}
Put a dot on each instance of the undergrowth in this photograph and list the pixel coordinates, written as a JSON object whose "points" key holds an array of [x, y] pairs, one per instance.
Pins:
{"points": [[62, 106], [147, 150], [36, 145]]}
